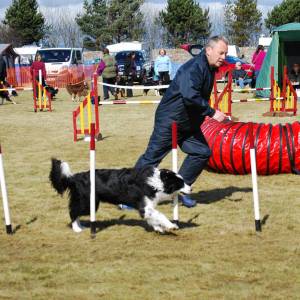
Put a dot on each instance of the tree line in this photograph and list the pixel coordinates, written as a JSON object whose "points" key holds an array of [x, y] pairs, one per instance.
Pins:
{"points": [[103, 22]]}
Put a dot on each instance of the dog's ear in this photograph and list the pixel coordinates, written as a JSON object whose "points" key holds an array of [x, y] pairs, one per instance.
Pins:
{"points": [[171, 181], [164, 174]]}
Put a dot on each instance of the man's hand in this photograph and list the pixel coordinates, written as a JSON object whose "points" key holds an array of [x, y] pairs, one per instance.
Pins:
{"points": [[219, 116]]}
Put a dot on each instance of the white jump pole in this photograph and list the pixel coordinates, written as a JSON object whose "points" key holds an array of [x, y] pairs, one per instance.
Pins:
{"points": [[40, 77], [4, 197], [254, 179], [174, 169], [123, 102], [92, 180]]}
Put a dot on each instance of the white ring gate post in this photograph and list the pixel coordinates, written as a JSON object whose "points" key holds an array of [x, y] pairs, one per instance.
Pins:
{"points": [[4, 197], [254, 179], [92, 182], [174, 169]]}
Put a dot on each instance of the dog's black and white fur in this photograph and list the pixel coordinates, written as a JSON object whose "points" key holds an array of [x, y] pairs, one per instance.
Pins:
{"points": [[141, 189]]}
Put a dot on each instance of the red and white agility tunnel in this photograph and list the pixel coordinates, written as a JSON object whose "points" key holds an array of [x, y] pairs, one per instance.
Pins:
{"points": [[277, 147]]}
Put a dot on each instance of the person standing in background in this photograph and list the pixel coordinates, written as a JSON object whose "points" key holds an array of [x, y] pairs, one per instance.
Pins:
{"points": [[163, 68], [36, 66], [130, 71], [108, 70], [257, 60]]}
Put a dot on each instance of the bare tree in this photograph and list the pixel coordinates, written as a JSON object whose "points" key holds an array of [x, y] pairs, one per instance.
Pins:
{"points": [[155, 35], [9, 35], [62, 28], [216, 17]]}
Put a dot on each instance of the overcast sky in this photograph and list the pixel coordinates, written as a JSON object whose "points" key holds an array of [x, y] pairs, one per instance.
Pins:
{"points": [[264, 5]]}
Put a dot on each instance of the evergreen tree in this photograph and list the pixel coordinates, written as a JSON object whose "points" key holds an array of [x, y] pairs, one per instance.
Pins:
{"points": [[243, 21], [185, 22], [125, 20], [93, 23], [24, 20], [106, 22], [287, 11]]}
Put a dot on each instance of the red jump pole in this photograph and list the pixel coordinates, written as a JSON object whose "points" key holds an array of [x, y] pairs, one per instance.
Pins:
{"points": [[34, 91], [283, 93], [49, 98], [229, 93], [92, 182], [215, 90], [272, 90], [74, 126], [174, 169]]}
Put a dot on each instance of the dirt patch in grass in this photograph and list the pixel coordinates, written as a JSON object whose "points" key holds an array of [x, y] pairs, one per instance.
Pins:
{"points": [[215, 255]]}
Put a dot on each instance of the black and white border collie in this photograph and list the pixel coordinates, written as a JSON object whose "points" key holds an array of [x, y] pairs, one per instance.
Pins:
{"points": [[141, 189]]}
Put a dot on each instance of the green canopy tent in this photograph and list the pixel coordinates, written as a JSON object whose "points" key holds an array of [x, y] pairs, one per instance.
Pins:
{"points": [[283, 51]]}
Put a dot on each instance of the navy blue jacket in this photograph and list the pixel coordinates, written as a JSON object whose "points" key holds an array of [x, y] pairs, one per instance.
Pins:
{"points": [[186, 101]]}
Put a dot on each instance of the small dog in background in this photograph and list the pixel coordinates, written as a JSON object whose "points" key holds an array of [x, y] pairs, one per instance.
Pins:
{"points": [[120, 92], [80, 89], [140, 188], [6, 95], [51, 90]]}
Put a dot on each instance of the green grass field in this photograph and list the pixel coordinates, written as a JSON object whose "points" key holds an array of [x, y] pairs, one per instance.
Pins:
{"points": [[216, 254]]}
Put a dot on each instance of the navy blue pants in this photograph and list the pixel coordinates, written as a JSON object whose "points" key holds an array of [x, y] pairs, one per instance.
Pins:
{"points": [[108, 88], [194, 145]]}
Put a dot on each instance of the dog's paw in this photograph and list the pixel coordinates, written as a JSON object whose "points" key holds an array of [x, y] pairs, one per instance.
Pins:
{"points": [[172, 227], [77, 227], [158, 229]]}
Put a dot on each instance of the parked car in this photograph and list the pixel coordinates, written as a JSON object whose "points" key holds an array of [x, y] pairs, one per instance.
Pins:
{"points": [[63, 65], [142, 67], [193, 49], [228, 65]]}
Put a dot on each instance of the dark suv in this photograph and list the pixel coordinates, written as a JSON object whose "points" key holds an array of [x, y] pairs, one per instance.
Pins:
{"points": [[141, 68]]}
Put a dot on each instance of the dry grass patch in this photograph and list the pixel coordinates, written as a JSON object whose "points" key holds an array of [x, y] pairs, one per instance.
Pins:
{"points": [[216, 254]]}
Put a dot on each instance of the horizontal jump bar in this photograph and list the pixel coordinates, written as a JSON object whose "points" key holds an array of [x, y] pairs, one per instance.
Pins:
{"points": [[136, 87]]}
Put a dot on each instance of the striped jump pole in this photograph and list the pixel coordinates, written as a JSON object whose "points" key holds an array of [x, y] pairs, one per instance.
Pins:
{"points": [[174, 169], [254, 179], [10, 89], [136, 87], [4, 197], [122, 102], [252, 100], [250, 90], [34, 89], [92, 182]]}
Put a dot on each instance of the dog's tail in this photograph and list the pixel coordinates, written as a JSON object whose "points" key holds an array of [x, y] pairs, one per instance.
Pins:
{"points": [[59, 176]]}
